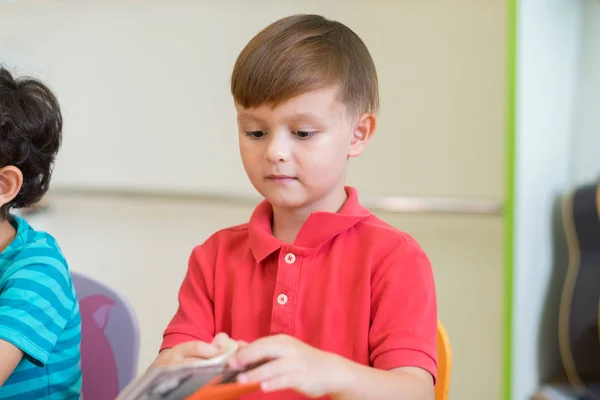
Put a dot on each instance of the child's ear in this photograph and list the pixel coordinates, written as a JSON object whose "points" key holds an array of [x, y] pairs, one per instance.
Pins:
{"points": [[363, 131], [11, 180]]}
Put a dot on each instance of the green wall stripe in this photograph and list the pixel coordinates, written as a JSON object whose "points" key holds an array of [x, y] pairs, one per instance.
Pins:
{"points": [[509, 193]]}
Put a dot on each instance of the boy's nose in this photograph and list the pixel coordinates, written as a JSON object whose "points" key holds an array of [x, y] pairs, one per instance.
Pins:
{"points": [[278, 150]]}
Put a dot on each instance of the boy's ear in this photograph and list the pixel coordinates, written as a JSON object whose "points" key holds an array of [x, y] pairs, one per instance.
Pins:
{"points": [[363, 131], [11, 180]]}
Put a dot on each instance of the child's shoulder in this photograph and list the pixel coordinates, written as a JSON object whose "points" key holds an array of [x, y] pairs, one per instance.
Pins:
{"points": [[28, 238], [390, 248], [375, 229], [35, 250], [234, 235]]}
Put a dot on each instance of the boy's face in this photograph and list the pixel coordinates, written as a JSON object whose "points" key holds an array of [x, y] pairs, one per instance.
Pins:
{"points": [[296, 154]]}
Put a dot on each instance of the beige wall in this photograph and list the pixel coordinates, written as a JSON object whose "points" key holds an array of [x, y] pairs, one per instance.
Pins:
{"points": [[144, 80], [147, 87]]}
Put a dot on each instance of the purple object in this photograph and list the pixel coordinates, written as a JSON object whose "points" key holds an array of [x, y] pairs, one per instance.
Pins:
{"points": [[109, 339]]}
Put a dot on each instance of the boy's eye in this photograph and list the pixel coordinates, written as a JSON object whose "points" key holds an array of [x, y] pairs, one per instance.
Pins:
{"points": [[303, 134], [255, 134]]}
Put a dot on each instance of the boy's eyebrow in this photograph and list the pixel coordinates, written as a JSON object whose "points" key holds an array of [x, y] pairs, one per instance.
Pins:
{"points": [[247, 117], [303, 117], [296, 118]]}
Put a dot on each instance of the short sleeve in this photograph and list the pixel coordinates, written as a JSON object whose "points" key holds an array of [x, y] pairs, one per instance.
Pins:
{"points": [[404, 311], [194, 318], [36, 302]]}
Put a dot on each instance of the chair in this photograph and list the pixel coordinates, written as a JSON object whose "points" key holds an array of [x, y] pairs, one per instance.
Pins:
{"points": [[109, 339], [444, 368]]}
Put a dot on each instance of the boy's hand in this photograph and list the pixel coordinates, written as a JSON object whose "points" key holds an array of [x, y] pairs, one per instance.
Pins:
{"points": [[291, 364], [190, 351]]}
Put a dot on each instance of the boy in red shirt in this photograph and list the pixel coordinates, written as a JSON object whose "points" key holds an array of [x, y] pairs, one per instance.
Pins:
{"points": [[339, 303]]}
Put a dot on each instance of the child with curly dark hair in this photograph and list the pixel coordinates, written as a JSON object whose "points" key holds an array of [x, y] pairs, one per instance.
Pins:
{"points": [[40, 325]]}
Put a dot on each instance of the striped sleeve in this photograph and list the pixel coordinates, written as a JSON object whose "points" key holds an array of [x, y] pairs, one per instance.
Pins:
{"points": [[36, 303]]}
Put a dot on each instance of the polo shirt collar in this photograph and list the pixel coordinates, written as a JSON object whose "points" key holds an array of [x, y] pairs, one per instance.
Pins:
{"points": [[319, 228]]}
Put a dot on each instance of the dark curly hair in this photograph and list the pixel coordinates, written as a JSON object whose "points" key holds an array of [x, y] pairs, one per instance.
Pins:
{"points": [[30, 135]]}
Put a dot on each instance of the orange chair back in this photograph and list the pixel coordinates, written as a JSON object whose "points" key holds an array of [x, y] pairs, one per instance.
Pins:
{"points": [[444, 368]]}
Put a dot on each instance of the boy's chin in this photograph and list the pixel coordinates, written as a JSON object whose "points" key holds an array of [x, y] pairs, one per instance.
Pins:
{"points": [[286, 204], [289, 200]]}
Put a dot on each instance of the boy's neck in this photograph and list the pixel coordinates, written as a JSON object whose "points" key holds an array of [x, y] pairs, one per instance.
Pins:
{"points": [[287, 222], [7, 234]]}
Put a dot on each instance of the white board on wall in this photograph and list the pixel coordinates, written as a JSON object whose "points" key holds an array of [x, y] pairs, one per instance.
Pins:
{"points": [[145, 89]]}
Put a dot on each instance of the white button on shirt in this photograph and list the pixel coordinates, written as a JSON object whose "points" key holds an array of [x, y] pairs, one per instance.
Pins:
{"points": [[290, 258], [282, 299]]}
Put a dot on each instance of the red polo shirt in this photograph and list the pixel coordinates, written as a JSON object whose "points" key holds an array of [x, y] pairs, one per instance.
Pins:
{"points": [[350, 284]]}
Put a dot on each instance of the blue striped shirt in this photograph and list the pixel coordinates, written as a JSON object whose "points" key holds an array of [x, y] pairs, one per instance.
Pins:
{"points": [[39, 314]]}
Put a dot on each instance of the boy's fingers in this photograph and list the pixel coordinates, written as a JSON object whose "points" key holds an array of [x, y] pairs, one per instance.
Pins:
{"points": [[257, 351], [219, 339], [265, 372], [198, 349], [178, 361], [280, 382]]}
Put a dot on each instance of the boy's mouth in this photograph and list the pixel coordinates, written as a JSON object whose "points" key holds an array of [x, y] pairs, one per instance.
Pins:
{"points": [[281, 178]]}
